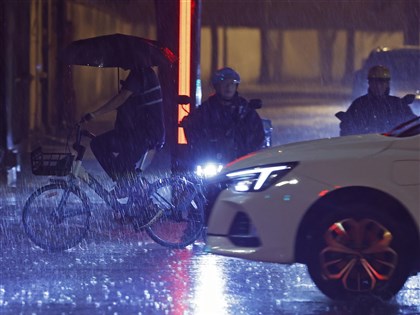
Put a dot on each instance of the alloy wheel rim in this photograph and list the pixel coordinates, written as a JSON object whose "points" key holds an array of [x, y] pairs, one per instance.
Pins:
{"points": [[358, 253]]}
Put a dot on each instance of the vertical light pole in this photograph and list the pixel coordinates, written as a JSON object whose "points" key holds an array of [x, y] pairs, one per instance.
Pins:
{"points": [[184, 69], [189, 82], [178, 27]]}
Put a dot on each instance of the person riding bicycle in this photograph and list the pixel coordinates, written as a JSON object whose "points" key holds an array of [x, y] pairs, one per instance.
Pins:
{"points": [[225, 126], [138, 127], [377, 111]]}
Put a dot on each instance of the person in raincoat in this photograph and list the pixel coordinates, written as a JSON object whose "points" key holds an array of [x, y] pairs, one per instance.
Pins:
{"points": [[377, 111], [139, 126], [225, 126]]}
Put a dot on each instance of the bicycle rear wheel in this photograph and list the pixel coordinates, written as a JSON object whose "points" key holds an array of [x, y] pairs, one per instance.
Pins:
{"points": [[56, 217], [182, 221]]}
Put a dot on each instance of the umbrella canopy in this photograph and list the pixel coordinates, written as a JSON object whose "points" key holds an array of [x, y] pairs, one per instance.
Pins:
{"points": [[118, 50]]}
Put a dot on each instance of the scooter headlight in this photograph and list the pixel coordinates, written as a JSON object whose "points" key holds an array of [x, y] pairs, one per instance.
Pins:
{"points": [[258, 178], [208, 170]]}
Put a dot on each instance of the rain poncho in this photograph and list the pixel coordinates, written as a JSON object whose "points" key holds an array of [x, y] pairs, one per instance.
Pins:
{"points": [[373, 114], [223, 132]]}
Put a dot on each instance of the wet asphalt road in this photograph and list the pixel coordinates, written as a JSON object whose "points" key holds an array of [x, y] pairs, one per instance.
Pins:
{"points": [[118, 271]]}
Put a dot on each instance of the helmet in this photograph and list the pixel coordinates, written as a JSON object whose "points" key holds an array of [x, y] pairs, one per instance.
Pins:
{"points": [[223, 74], [379, 72]]}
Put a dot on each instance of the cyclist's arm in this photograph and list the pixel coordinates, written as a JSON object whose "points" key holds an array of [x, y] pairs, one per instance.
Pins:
{"points": [[113, 103]]}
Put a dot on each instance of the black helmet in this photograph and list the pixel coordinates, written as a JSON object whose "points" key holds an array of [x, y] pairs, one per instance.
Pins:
{"points": [[225, 73], [379, 73]]}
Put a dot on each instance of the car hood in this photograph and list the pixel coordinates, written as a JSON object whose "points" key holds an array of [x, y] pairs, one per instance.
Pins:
{"points": [[325, 149]]}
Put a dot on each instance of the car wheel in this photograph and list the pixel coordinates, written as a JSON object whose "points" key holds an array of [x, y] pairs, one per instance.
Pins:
{"points": [[358, 250]]}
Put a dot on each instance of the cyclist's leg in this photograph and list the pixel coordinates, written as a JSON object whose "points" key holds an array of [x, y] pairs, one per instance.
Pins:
{"points": [[117, 153], [104, 147], [131, 150]]}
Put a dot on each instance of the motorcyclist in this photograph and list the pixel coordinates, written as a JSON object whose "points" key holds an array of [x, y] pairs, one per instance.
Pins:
{"points": [[377, 111], [225, 126]]}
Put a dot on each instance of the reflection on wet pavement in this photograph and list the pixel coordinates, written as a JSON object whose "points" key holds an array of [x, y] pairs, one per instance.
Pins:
{"points": [[118, 271]]}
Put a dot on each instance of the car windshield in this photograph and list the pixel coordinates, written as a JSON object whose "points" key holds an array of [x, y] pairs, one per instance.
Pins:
{"points": [[406, 129], [404, 65]]}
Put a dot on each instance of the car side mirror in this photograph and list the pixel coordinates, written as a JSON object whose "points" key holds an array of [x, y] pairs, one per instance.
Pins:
{"points": [[255, 103]]}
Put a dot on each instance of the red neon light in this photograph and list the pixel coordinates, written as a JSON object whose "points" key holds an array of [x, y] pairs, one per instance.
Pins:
{"points": [[184, 69]]}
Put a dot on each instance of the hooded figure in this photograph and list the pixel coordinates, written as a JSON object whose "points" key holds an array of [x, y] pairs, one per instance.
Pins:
{"points": [[225, 126], [377, 111]]}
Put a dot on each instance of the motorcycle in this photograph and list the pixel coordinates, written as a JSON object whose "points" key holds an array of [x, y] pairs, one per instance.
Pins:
{"points": [[210, 162], [409, 99], [204, 167]]}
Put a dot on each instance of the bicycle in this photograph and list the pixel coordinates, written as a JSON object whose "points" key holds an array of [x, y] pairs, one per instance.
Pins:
{"points": [[56, 216]]}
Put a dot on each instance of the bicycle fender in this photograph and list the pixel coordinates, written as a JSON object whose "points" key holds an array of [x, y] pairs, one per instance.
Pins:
{"points": [[58, 181]]}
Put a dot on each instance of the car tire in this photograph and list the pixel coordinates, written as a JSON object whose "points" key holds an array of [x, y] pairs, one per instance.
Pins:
{"points": [[359, 250]]}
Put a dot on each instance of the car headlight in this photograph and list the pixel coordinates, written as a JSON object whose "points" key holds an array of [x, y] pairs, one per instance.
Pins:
{"points": [[258, 178]]}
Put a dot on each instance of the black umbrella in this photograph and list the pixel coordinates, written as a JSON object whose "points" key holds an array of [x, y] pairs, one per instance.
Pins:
{"points": [[117, 50]]}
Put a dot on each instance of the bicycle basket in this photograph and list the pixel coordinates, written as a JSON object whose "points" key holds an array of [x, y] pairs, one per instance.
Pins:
{"points": [[52, 164]]}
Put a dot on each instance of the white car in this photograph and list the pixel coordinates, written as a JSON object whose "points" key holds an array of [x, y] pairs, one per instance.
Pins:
{"points": [[346, 207]]}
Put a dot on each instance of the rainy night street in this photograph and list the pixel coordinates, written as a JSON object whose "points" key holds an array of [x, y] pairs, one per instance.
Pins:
{"points": [[117, 271]]}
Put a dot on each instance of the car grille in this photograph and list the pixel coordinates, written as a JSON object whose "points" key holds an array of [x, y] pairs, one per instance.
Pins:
{"points": [[242, 232]]}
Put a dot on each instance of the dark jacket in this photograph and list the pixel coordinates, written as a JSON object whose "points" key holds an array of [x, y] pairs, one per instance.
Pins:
{"points": [[140, 118], [372, 114], [223, 132]]}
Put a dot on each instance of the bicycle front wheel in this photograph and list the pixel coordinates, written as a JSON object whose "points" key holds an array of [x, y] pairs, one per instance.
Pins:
{"points": [[56, 217], [182, 220]]}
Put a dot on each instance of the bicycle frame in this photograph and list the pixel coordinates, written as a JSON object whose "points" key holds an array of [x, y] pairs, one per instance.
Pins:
{"points": [[79, 172], [87, 178], [169, 210]]}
